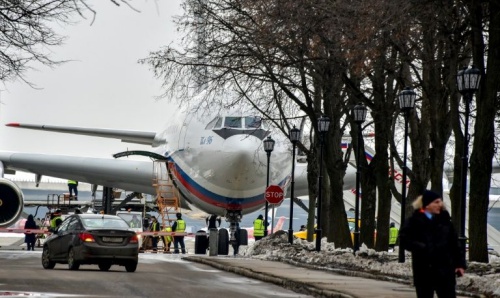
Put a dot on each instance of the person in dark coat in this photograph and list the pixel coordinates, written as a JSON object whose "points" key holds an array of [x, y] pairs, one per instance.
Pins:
{"points": [[213, 221], [30, 239], [433, 242], [236, 243]]}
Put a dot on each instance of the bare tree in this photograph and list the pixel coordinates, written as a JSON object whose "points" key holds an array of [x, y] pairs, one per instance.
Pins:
{"points": [[27, 32]]}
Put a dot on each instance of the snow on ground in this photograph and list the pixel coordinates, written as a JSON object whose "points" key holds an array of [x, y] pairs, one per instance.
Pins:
{"points": [[479, 279]]}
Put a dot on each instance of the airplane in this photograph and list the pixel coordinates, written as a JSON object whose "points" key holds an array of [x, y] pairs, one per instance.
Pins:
{"points": [[217, 161], [219, 164]]}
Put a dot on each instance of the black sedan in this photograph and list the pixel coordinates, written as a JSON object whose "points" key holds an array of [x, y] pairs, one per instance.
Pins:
{"points": [[104, 240]]}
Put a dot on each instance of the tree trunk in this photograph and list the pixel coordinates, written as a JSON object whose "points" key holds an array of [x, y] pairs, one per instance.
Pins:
{"points": [[484, 130]]}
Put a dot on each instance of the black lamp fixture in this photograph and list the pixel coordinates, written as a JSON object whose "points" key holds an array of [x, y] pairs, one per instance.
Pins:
{"points": [[406, 104], [323, 126], [294, 138], [468, 80], [268, 147], [359, 115]]}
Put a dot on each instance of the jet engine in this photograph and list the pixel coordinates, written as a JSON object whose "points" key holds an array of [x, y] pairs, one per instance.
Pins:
{"points": [[11, 202]]}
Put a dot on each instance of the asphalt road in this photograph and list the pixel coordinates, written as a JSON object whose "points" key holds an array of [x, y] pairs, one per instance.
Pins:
{"points": [[21, 274]]}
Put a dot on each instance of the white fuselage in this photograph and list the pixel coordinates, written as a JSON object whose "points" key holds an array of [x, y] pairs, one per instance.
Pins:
{"points": [[223, 168]]}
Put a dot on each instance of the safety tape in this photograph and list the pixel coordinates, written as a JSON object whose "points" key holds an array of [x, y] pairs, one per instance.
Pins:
{"points": [[28, 231], [25, 231], [167, 234]]}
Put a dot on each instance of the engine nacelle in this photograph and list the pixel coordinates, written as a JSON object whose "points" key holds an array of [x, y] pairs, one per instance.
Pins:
{"points": [[11, 202]]}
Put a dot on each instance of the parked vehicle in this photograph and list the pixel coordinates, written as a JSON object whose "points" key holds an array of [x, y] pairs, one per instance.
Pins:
{"points": [[303, 234], [81, 239], [134, 221]]}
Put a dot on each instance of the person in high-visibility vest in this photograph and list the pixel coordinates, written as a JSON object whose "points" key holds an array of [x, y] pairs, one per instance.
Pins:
{"points": [[258, 227], [135, 222], [73, 187], [179, 226], [56, 220], [154, 227], [168, 239], [393, 236]]}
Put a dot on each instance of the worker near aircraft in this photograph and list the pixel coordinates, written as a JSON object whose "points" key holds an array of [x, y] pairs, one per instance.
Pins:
{"points": [[73, 187], [154, 227], [237, 241], [56, 220], [167, 239], [135, 222], [393, 236], [212, 221], [258, 227], [179, 226]]}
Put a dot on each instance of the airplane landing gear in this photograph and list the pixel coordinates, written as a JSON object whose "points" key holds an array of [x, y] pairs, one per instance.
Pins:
{"points": [[225, 236], [233, 217]]}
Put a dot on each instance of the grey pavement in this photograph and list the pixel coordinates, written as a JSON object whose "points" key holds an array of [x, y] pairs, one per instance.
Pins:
{"points": [[310, 281], [317, 283], [12, 243]]}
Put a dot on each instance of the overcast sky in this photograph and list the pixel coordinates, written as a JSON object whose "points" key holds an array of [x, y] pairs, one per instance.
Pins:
{"points": [[104, 87]]}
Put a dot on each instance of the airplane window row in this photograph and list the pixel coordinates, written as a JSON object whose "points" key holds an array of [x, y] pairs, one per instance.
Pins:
{"points": [[248, 122]]}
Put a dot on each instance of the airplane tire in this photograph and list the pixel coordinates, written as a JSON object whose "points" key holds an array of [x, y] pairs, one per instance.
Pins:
{"points": [[243, 237], [200, 243], [223, 242]]}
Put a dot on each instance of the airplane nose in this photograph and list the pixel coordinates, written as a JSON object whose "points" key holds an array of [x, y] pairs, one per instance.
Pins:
{"points": [[243, 160]]}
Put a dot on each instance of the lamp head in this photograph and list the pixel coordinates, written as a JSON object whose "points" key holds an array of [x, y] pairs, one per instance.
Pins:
{"points": [[407, 99], [269, 144], [294, 135], [468, 80], [359, 113], [323, 124]]}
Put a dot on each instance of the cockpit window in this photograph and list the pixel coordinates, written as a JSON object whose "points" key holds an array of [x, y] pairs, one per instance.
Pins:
{"points": [[246, 122], [232, 122], [212, 123], [219, 123], [253, 122]]}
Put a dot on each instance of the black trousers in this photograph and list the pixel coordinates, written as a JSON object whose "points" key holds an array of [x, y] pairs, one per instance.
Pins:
{"points": [[427, 283]]}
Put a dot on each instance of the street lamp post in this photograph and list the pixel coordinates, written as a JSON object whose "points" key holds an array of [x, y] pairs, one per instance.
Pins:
{"points": [[268, 147], [359, 115], [294, 138], [468, 80], [406, 104], [323, 125]]}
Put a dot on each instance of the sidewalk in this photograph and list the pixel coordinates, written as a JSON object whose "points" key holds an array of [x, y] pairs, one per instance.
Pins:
{"points": [[317, 283]]}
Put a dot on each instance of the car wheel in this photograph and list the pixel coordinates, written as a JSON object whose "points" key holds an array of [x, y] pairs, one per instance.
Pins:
{"points": [[104, 266], [47, 263], [72, 263], [131, 267]]}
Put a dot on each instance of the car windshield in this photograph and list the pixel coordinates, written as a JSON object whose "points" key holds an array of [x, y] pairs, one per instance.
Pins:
{"points": [[132, 220], [104, 223]]}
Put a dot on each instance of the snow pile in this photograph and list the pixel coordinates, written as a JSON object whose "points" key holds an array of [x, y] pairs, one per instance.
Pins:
{"points": [[479, 278]]}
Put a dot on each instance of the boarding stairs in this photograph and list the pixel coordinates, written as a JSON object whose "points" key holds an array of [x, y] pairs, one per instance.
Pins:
{"points": [[167, 196]]}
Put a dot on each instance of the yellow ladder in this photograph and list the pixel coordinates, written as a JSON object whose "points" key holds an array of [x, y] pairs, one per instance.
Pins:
{"points": [[167, 198]]}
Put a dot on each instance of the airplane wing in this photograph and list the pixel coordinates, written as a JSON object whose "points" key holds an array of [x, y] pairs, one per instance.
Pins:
{"points": [[127, 136], [132, 175]]}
